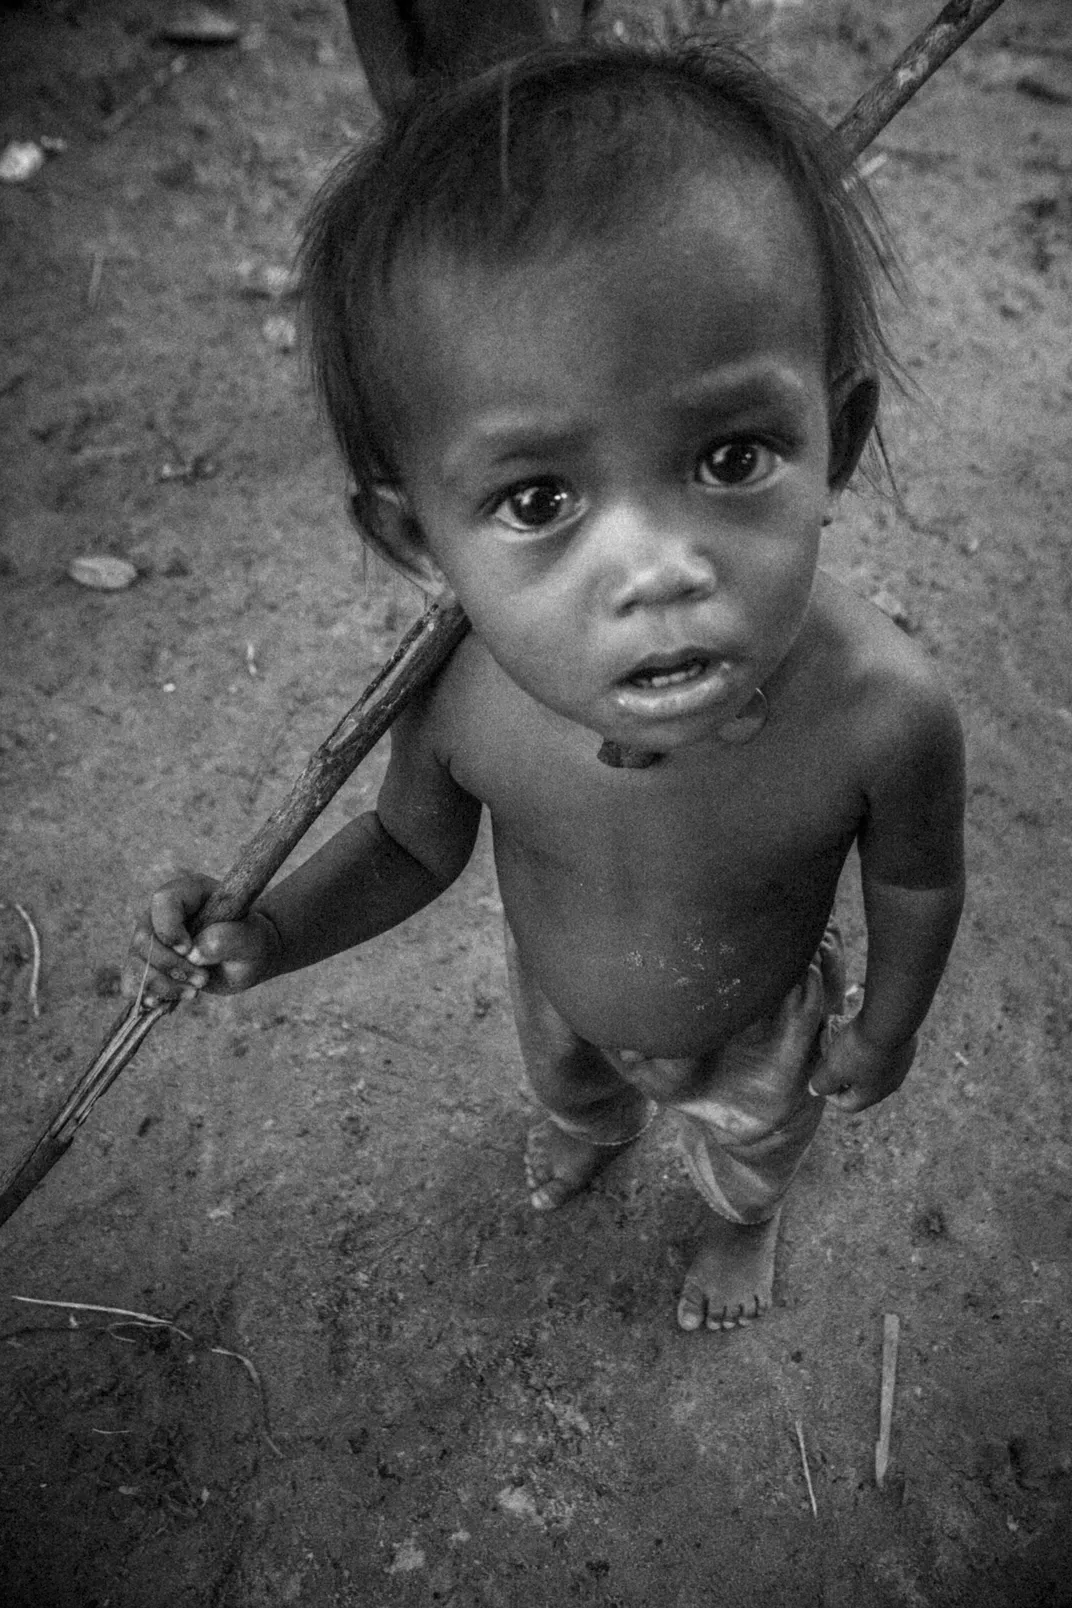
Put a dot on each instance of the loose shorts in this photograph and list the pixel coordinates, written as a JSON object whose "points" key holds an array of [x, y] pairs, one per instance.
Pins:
{"points": [[745, 1114]]}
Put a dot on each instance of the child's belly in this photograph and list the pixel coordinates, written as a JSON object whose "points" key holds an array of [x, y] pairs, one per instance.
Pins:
{"points": [[666, 988]]}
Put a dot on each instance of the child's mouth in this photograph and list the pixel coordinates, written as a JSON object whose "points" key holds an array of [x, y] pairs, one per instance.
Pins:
{"points": [[672, 676], [676, 688]]}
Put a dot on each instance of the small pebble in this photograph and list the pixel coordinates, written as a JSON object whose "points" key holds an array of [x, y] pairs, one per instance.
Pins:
{"points": [[273, 281], [198, 25], [20, 161], [280, 332], [892, 606], [102, 572]]}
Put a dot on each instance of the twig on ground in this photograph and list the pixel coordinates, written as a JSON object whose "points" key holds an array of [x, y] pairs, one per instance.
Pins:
{"points": [[891, 1334], [916, 156], [160, 80], [258, 1382], [807, 1470], [107, 1311], [1032, 47], [148, 1320], [93, 289], [35, 967]]}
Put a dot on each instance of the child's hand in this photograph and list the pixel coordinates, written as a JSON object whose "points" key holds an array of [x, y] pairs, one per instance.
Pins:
{"points": [[856, 1073], [227, 957]]}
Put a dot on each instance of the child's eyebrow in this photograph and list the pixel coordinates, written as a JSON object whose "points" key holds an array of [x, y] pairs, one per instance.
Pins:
{"points": [[497, 439], [738, 389]]}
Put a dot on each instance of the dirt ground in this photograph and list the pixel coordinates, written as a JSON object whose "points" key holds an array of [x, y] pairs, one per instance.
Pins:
{"points": [[394, 1384]]}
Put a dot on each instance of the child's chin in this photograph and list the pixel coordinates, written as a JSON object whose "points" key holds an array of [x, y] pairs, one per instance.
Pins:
{"points": [[663, 739]]}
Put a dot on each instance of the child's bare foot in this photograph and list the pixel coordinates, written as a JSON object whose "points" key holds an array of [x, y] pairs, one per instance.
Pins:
{"points": [[559, 1165], [731, 1280]]}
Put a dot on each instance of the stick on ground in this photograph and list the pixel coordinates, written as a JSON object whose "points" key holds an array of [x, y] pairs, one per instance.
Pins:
{"points": [[420, 655], [807, 1471], [891, 1338], [35, 952], [418, 659]]}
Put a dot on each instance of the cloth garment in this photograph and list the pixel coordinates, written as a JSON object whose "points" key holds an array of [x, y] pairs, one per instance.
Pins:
{"points": [[745, 1114]]}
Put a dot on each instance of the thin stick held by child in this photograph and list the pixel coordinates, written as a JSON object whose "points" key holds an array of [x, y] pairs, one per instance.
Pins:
{"points": [[597, 333]]}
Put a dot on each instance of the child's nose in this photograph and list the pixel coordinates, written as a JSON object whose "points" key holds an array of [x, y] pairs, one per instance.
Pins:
{"points": [[653, 566]]}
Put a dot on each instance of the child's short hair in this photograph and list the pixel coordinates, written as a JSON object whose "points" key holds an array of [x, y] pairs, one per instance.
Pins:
{"points": [[538, 156]]}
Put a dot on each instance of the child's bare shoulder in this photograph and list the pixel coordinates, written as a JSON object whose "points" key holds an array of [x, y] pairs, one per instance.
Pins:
{"points": [[470, 686], [890, 687]]}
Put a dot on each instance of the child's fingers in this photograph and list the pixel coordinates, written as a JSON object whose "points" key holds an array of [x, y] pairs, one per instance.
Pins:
{"points": [[850, 1100], [150, 974], [839, 1095], [843, 1096], [158, 964], [223, 941], [829, 1082], [235, 953], [850, 1090], [166, 962], [826, 1081], [171, 907]]}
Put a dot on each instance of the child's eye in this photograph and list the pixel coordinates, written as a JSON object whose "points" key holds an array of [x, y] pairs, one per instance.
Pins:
{"points": [[737, 463], [536, 504]]}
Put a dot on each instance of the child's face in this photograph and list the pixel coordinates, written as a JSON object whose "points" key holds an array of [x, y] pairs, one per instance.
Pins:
{"points": [[620, 461]]}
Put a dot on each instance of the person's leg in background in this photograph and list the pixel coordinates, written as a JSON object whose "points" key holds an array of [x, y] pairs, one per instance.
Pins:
{"points": [[400, 41]]}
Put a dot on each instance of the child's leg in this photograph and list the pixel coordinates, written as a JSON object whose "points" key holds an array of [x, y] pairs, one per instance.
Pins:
{"points": [[743, 1141], [593, 1111]]}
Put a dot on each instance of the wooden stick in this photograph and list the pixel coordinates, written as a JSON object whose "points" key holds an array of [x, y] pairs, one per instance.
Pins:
{"points": [[417, 660], [419, 657], [881, 103], [160, 80], [35, 951], [891, 1338], [807, 1470]]}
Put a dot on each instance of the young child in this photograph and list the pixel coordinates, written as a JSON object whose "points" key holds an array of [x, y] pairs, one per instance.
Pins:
{"points": [[597, 336]]}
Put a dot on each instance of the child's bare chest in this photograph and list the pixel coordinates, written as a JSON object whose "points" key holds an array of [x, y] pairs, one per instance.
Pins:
{"points": [[663, 907], [719, 816]]}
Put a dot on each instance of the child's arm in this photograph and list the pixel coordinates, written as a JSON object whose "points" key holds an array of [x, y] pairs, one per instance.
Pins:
{"points": [[378, 870], [912, 863]]}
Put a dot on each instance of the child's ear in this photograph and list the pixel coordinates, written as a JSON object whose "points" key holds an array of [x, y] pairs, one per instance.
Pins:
{"points": [[853, 411], [392, 531]]}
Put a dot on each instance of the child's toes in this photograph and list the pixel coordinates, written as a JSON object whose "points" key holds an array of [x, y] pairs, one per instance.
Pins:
{"points": [[691, 1306], [731, 1318], [547, 1188], [558, 1165], [548, 1197]]}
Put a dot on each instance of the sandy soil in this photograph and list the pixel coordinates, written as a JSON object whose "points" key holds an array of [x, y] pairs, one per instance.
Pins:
{"points": [[320, 1183]]}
